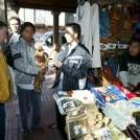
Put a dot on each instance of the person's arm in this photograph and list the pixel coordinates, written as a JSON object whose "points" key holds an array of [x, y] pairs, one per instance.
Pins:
{"points": [[21, 61], [61, 57]]}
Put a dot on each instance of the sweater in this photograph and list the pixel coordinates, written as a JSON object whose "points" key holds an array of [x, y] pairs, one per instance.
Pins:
{"points": [[5, 80]]}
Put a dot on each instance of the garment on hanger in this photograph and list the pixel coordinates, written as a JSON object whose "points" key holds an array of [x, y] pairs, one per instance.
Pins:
{"points": [[88, 17], [104, 23], [96, 59]]}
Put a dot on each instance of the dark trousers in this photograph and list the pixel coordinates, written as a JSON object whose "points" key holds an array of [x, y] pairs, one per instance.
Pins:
{"points": [[29, 99], [2, 121], [61, 122]]}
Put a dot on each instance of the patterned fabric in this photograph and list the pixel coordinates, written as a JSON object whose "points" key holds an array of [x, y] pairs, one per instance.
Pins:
{"points": [[68, 101], [122, 21], [84, 120], [87, 123], [106, 94], [115, 113], [104, 23]]}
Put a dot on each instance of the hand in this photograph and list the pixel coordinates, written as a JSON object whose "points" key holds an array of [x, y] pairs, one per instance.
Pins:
{"points": [[58, 64]]}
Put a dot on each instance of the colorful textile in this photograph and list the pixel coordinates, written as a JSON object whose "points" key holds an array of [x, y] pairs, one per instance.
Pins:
{"points": [[107, 94], [115, 114], [69, 101], [104, 23]]}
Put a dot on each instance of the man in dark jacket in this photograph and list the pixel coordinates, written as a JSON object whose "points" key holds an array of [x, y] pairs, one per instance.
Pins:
{"points": [[74, 59]]}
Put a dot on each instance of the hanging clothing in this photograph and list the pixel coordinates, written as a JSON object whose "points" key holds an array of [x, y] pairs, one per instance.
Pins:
{"points": [[69, 17], [88, 18], [83, 18], [104, 23], [96, 57]]}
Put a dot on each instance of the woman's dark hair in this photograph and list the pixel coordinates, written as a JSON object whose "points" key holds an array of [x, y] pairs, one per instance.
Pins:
{"points": [[15, 18], [75, 27], [2, 24], [134, 40], [25, 25]]}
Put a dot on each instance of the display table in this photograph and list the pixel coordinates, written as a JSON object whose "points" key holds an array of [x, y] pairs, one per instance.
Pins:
{"points": [[83, 120]]}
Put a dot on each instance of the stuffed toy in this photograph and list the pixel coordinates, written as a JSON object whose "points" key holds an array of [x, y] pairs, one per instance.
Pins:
{"points": [[41, 59]]}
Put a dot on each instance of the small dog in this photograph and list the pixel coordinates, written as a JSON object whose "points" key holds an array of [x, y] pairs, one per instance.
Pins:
{"points": [[41, 59]]}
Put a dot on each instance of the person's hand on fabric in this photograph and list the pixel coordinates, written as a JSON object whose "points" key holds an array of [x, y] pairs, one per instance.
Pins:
{"points": [[58, 63]]}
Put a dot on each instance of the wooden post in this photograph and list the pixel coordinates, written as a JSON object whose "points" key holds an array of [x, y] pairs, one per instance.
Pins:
{"points": [[56, 29]]}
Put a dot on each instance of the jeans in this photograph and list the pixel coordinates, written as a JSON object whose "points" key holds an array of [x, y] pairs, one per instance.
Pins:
{"points": [[2, 121], [28, 99]]}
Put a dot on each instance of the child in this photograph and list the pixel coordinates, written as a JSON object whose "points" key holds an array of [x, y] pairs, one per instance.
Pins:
{"points": [[129, 65]]}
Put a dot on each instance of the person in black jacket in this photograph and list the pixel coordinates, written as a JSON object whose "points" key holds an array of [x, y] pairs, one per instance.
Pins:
{"points": [[74, 60], [129, 65]]}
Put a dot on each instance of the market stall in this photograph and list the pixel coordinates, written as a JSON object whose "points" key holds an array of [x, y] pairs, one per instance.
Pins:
{"points": [[105, 112]]}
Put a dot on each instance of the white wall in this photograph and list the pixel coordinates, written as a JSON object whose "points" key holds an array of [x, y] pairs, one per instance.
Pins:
{"points": [[2, 10]]}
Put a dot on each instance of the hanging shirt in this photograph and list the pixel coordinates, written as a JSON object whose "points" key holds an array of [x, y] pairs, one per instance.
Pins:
{"points": [[88, 17]]}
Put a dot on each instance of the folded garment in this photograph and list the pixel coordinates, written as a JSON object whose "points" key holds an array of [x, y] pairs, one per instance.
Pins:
{"points": [[68, 101]]}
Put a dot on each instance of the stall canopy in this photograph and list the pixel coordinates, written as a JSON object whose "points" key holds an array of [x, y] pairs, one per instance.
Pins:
{"points": [[58, 5]]}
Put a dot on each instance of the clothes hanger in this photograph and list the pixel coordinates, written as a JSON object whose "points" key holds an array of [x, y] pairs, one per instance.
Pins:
{"points": [[81, 2]]}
